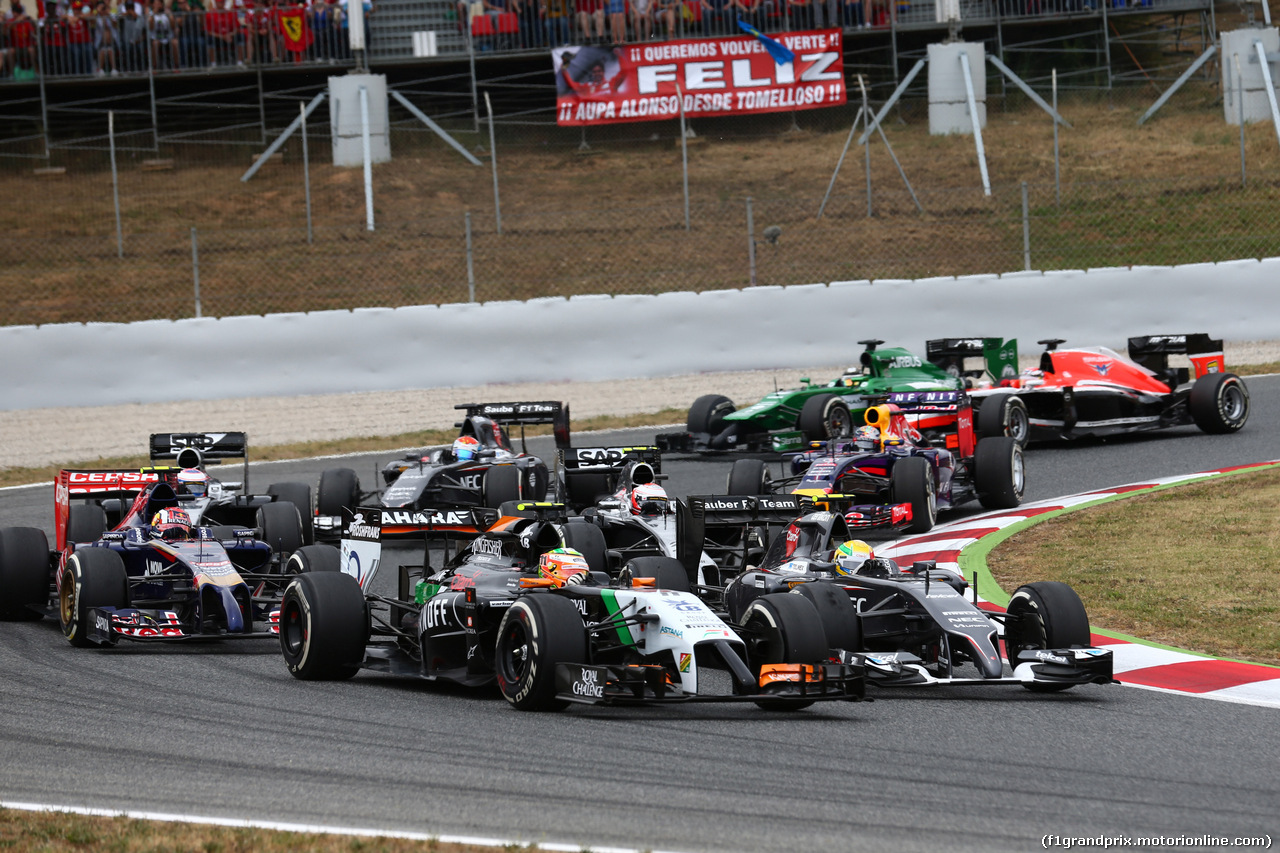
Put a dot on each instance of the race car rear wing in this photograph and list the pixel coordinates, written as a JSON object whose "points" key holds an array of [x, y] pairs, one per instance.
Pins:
{"points": [[726, 526], [97, 485], [587, 473], [198, 449], [1000, 357], [525, 414], [1153, 351]]}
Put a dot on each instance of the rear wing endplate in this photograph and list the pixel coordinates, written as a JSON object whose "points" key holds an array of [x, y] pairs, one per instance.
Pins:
{"points": [[1000, 357], [1153, 351], [551, 412]]}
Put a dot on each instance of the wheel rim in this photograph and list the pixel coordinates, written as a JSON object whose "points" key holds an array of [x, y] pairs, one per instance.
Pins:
{"points": [[1232, 403], [931, 497], [839, 423], [293, 628], [1019, 473], [515, 652], [67, 598], [1019, 424]]}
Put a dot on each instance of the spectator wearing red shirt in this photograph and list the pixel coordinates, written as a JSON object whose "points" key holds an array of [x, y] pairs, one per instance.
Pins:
{"points": [[264, 25], [226, 41]]}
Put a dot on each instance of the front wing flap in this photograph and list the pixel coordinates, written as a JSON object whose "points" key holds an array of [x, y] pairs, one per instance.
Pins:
{"points": [[630, 684], [1035, 666], [107, 625]]}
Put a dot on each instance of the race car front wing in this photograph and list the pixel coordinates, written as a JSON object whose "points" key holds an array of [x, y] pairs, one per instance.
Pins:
{"points": [[1035, 666]]}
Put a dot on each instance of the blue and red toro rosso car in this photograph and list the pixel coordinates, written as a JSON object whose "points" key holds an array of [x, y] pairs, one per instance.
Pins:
{"points": [[151, 576], [889, 475]]}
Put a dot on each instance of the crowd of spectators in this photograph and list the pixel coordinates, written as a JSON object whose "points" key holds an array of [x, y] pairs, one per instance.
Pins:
{"points": [[113, 37]]}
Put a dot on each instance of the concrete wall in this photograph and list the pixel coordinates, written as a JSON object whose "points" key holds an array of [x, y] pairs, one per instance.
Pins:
{"points": [[604, 337]]}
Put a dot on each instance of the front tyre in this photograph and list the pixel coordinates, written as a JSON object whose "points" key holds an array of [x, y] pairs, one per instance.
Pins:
{"points": [[1004, 415], [314, 558], [999, 472], [281, 526], [708, 412], [339, 487], [92, 577], [537, 632], [749, 477], [24, 572], [1219, 403], [783, 628], [298, 494], [912, 483], [324, 626], [1045, 615]]}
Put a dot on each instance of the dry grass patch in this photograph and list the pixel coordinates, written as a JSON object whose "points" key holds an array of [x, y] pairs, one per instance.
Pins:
{"points": [[1193, 566]]}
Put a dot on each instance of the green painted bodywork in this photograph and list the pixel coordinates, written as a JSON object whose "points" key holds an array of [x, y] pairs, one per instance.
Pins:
{"points": [[881, 372]]}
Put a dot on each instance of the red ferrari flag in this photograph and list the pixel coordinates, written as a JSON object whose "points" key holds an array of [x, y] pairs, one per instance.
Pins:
{"points": [[293, 24]]}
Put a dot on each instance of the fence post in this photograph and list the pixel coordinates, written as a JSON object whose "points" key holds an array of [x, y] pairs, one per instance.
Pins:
{"points": [[1026, 229], [195, 268], [684, 156], [367, 149], [1240, 111], [471, 270], [493, 161], [306, 168], [115, 182], [751, 242], [1057, 173]]}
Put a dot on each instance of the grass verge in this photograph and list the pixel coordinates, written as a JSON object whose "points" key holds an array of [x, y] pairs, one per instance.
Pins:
{"points": [[1192, 567]]}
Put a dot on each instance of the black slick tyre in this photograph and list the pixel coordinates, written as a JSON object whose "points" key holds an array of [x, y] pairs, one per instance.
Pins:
{"points": [[537, 632], [587, 539], [24, 572], [783, 628], [298, 494], [85, 522], [281, 526], [707, 413], [1219, 403], [1004, 415], [912, 483], [824, 416], [323, 626], [1045, 615], [839, 615], [92, 577], [339, 487], [501, 484], [314, 558], [999, 472], [667, 572], [749, 477]]}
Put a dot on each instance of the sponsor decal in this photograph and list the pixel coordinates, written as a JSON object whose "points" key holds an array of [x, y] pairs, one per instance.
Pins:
{"points": [[215, 568], [726, 504], [469, 481], [588, 684], [485, 545], [438, 613], [154, 567], [1168, 339], [904, 361], [685, 660], [102, 623], [361, 529], [667, 629], [457, 518], [1050, 657]]}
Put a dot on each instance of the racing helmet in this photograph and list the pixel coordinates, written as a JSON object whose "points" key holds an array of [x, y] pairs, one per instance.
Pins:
{"points": [[851, 556], [649, 499], [465, 447], [171, 524], [866, 437], [195, 481], [564, 566]]}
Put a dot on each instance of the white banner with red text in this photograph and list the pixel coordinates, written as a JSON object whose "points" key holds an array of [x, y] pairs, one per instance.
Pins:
{"points": [[715, 77]]}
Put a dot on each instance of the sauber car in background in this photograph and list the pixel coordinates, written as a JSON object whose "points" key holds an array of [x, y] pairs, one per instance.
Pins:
{"points": [[787, 419], [436, 477], [902, 480], [488, 616], [912, 626], [1095, 391], [130, 582]]}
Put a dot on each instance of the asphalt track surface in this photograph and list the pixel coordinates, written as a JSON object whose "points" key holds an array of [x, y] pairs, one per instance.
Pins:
{"points": [[222, 730]]}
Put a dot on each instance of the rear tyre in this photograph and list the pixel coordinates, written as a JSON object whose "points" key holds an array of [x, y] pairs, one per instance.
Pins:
{"points": [[707, 413], [912, 483], [783, 628], [537, 632], [324, 626], [281, 526], [584, 488], [999, 472], [501, 484], [667, 572], [1049, 615], [534, 482], [589, 540], [839, 615], [1219, 403], [86, 522], [314, 558], [92, 577], [24, 572], [1004, 415], [749, 477], [298, 494], [339, 487], [825, 416]]}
